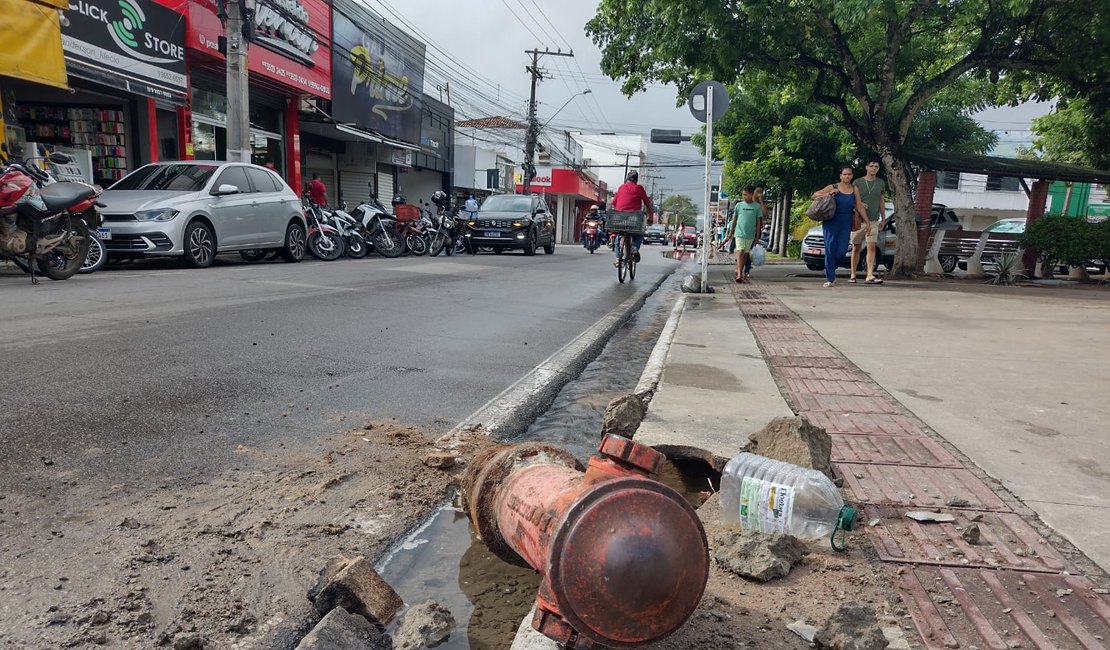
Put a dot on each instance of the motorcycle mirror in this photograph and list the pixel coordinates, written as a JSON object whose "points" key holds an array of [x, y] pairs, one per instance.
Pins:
{"points": [[59, 158]]}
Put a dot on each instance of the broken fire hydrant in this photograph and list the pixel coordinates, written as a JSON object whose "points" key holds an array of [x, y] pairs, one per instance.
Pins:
{"points": [[624, 557]]}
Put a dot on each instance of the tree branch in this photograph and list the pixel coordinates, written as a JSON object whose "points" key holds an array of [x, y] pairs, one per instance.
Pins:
{"points": [[854, 76], [849, 122], [896, 36]]}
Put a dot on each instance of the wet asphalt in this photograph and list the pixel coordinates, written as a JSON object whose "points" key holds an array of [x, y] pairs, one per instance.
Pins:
{"points": [[152, 373]]}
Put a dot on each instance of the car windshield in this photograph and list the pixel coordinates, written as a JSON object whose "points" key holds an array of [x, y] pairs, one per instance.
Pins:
{"points": [[655, 228], [1007, 225], [507, 203], [167, 178], [691, 229]]}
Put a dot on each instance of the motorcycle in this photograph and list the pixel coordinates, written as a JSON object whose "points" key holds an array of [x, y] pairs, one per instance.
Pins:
{"points": [[351, 230], [43, 222], [324, 241], [593, 233], [380, 228]]}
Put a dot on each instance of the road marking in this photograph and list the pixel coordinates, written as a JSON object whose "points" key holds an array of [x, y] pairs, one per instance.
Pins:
{"points": [[304, 285]]}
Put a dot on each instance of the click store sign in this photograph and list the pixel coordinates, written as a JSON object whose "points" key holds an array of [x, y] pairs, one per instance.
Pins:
{"points": [[286, 45]]}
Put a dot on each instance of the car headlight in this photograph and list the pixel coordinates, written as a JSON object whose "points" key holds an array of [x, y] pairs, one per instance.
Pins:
{"points": [[472, 223], [518, 224], [164, 214]]}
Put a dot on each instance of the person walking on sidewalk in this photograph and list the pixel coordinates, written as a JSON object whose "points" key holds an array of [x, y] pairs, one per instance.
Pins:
{"points": [[747, 218], [317, 191], [872, 190], [838, 229], [631, 196]]}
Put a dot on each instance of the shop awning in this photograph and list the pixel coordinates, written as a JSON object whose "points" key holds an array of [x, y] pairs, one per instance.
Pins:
{"points": [[31, 41], [337, 131], [400, 145]]}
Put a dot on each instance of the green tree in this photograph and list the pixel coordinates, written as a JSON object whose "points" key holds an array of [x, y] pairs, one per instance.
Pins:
{"points": [[876, 63], [683, 209], [1077, 131]]}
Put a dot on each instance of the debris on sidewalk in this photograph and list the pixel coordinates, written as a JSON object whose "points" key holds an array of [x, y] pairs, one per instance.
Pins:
{"points": [[342, 630], [925, 516], [692, 284], [351, 583], [757, 555], [793, 440], [623, 416], [971, 534], [803, 629], [426, 625], [440, 460], [852, 627]]}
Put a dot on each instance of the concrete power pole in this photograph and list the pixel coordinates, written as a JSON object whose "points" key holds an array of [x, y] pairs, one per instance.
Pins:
{"points": [[240, 19], [533, 133]]}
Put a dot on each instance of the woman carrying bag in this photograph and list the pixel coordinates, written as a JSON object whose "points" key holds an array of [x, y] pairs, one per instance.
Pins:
{"points": [[837, 228]]}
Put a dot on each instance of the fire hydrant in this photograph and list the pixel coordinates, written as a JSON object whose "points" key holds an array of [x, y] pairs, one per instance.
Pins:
{"points": [[624, 557]]}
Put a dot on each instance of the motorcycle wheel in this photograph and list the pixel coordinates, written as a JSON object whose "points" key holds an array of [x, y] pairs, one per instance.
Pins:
{"points": [[65, 260], [97, 257], [439, 242], [388, 243], [356, 247], [417, 244], [326, 246]]}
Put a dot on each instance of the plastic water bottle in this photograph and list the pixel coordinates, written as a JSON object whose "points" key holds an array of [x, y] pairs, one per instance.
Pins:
{"points": [[771, 496]]}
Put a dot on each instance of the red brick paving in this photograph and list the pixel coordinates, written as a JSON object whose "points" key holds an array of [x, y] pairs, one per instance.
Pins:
{"points": [[1013, 589]]}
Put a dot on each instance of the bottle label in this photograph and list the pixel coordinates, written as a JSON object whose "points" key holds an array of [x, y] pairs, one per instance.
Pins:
{"points": [[765, 506]]}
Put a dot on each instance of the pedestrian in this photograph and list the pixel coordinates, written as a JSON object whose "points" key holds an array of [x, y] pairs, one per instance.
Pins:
{"points": [[763, 204], [872, 190], [471, 207], [748, 218], [838, 229], [317, 191]]}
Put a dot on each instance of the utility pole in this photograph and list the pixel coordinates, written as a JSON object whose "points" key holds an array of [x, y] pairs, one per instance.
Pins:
{"points": [[532, 134], [240, 23]]}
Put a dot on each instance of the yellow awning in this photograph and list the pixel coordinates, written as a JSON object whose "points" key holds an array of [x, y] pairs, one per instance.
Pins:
{"points": [[31, 41]]}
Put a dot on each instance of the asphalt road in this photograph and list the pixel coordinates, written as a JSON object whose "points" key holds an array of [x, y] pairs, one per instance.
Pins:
{"points": [[154, 372]]}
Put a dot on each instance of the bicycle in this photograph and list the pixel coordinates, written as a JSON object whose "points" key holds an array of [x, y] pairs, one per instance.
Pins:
{"points": [[626, 262], [627, 225]]}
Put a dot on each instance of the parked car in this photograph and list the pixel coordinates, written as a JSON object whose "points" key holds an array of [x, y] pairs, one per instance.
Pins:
{"points": [[655, 234], [197, 209], [686, 235], [942, 218], [508, 221], [1016, 226]]}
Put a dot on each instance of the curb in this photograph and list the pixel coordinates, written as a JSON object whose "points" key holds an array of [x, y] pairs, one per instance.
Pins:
{"points": [[653, 369], [512, 411]]}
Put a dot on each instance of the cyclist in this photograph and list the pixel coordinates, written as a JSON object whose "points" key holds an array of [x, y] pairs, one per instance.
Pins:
{"points": [[631, 196]]}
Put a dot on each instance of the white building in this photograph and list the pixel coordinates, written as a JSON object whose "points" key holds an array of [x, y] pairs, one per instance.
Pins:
{"points": [[609, 155]]}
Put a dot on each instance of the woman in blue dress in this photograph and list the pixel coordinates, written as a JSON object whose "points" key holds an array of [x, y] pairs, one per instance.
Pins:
{"points": [[838, 229]]}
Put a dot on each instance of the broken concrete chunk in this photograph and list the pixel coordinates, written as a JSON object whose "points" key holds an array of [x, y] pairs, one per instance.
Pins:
{"points": [[355, 586], [851, 627], [971, 534], [803, 629], [440, 460], [793, 440], [757, 555], [623, 416], [342, 630], [933, 517], [957, 502], [426, 625]]}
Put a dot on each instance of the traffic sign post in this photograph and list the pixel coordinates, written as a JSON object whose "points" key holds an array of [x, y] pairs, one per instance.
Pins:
{"points": [[708, 102]]}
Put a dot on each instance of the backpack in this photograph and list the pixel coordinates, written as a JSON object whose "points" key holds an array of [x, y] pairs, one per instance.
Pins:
{"points": [[822, 208]]}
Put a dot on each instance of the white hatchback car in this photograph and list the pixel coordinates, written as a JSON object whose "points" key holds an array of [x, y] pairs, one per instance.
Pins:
{"points": [[195, 209]]}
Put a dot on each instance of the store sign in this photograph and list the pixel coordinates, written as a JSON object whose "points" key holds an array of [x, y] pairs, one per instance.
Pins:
{"points": [[286, 48], [401, 158], [378, 79], [135, 45]]}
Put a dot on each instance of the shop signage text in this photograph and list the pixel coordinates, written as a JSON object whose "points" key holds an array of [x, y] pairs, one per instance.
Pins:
{"points": [[283, 26]]}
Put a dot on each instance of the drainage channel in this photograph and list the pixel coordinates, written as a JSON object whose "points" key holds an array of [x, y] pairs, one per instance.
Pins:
{"points": [[443, 561]]}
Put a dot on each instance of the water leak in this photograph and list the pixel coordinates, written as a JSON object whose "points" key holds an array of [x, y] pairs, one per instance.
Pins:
{"points": [[443, 560]]}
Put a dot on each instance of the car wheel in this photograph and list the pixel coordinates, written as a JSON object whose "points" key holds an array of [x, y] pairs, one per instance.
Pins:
{"points": [[814, 267], [549, 248], [948, 263], [530, 244], [200, 245], [295, 245]]}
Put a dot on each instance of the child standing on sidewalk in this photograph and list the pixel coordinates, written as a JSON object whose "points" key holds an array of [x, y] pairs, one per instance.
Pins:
{"points": [[747, 218]]}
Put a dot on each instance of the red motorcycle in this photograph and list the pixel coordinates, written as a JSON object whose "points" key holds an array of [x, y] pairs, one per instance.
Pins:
{"points": [[42, 223], [593, 233]]}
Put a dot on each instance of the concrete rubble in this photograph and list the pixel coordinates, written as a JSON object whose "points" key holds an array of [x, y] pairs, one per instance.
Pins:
{"points": [[851, 627], [342, 630], [425, 625], [623, 416], [757, 556], [793, 440], [351, 583]]}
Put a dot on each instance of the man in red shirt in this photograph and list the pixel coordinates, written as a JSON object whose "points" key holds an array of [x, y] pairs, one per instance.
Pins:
{"points": [[631, 196], [317, 191]]}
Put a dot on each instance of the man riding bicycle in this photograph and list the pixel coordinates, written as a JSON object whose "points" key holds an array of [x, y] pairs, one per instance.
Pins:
{"points": [[631, 196]]}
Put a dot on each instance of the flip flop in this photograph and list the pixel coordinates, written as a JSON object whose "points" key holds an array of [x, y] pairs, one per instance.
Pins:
{"points": [[851, 280], [873, 281], [828, 285]]}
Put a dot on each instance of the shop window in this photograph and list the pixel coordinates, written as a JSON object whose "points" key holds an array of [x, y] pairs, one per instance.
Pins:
{"points": [[949, 181], [210, 104], [100, 130], [996, 183]]}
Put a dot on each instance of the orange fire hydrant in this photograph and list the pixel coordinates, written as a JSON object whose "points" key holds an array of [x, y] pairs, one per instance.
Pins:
{"points": [[624, 557]]}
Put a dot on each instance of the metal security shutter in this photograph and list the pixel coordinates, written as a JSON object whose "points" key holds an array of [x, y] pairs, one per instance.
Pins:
{"points": [[325, 167], [355, 186], [385, 183]]}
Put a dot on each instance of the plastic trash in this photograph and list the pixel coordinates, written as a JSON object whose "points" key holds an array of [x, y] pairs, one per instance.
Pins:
{"points": [[771, 496], [759, 255]]}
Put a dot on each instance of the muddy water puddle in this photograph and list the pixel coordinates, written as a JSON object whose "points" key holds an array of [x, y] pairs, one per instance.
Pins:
{"points": [[443, 561]]}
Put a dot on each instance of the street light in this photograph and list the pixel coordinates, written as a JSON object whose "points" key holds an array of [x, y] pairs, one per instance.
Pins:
{"points": [[584, 92]]}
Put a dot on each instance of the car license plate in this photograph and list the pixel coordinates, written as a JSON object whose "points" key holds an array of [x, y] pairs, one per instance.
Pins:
{"points": [[491, 233], [813, 251], [104, 233]]}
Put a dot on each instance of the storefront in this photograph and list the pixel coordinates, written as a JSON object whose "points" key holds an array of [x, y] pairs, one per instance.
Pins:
{"points": [[569, 194], [30, 52], [287, 61], [431, 166], [126, 72]]}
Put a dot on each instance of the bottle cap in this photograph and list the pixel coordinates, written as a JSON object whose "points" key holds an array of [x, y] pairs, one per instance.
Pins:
{"points": [[845, 521]]}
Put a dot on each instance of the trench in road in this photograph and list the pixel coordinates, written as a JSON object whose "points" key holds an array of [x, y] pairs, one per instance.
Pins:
{"points": [[443, 561]]}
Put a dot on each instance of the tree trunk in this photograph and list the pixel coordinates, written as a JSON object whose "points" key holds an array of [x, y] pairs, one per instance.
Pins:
{"points": [[898, 180], [776, 225], [787, 206]]}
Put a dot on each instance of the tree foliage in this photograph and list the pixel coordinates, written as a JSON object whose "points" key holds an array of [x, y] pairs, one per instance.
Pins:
{"points": [[683, 207], [1077, 131], [879, 65]]}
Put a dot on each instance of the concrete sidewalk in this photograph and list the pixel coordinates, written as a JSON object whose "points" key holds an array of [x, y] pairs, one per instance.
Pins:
{"points": [[745, 355]]}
